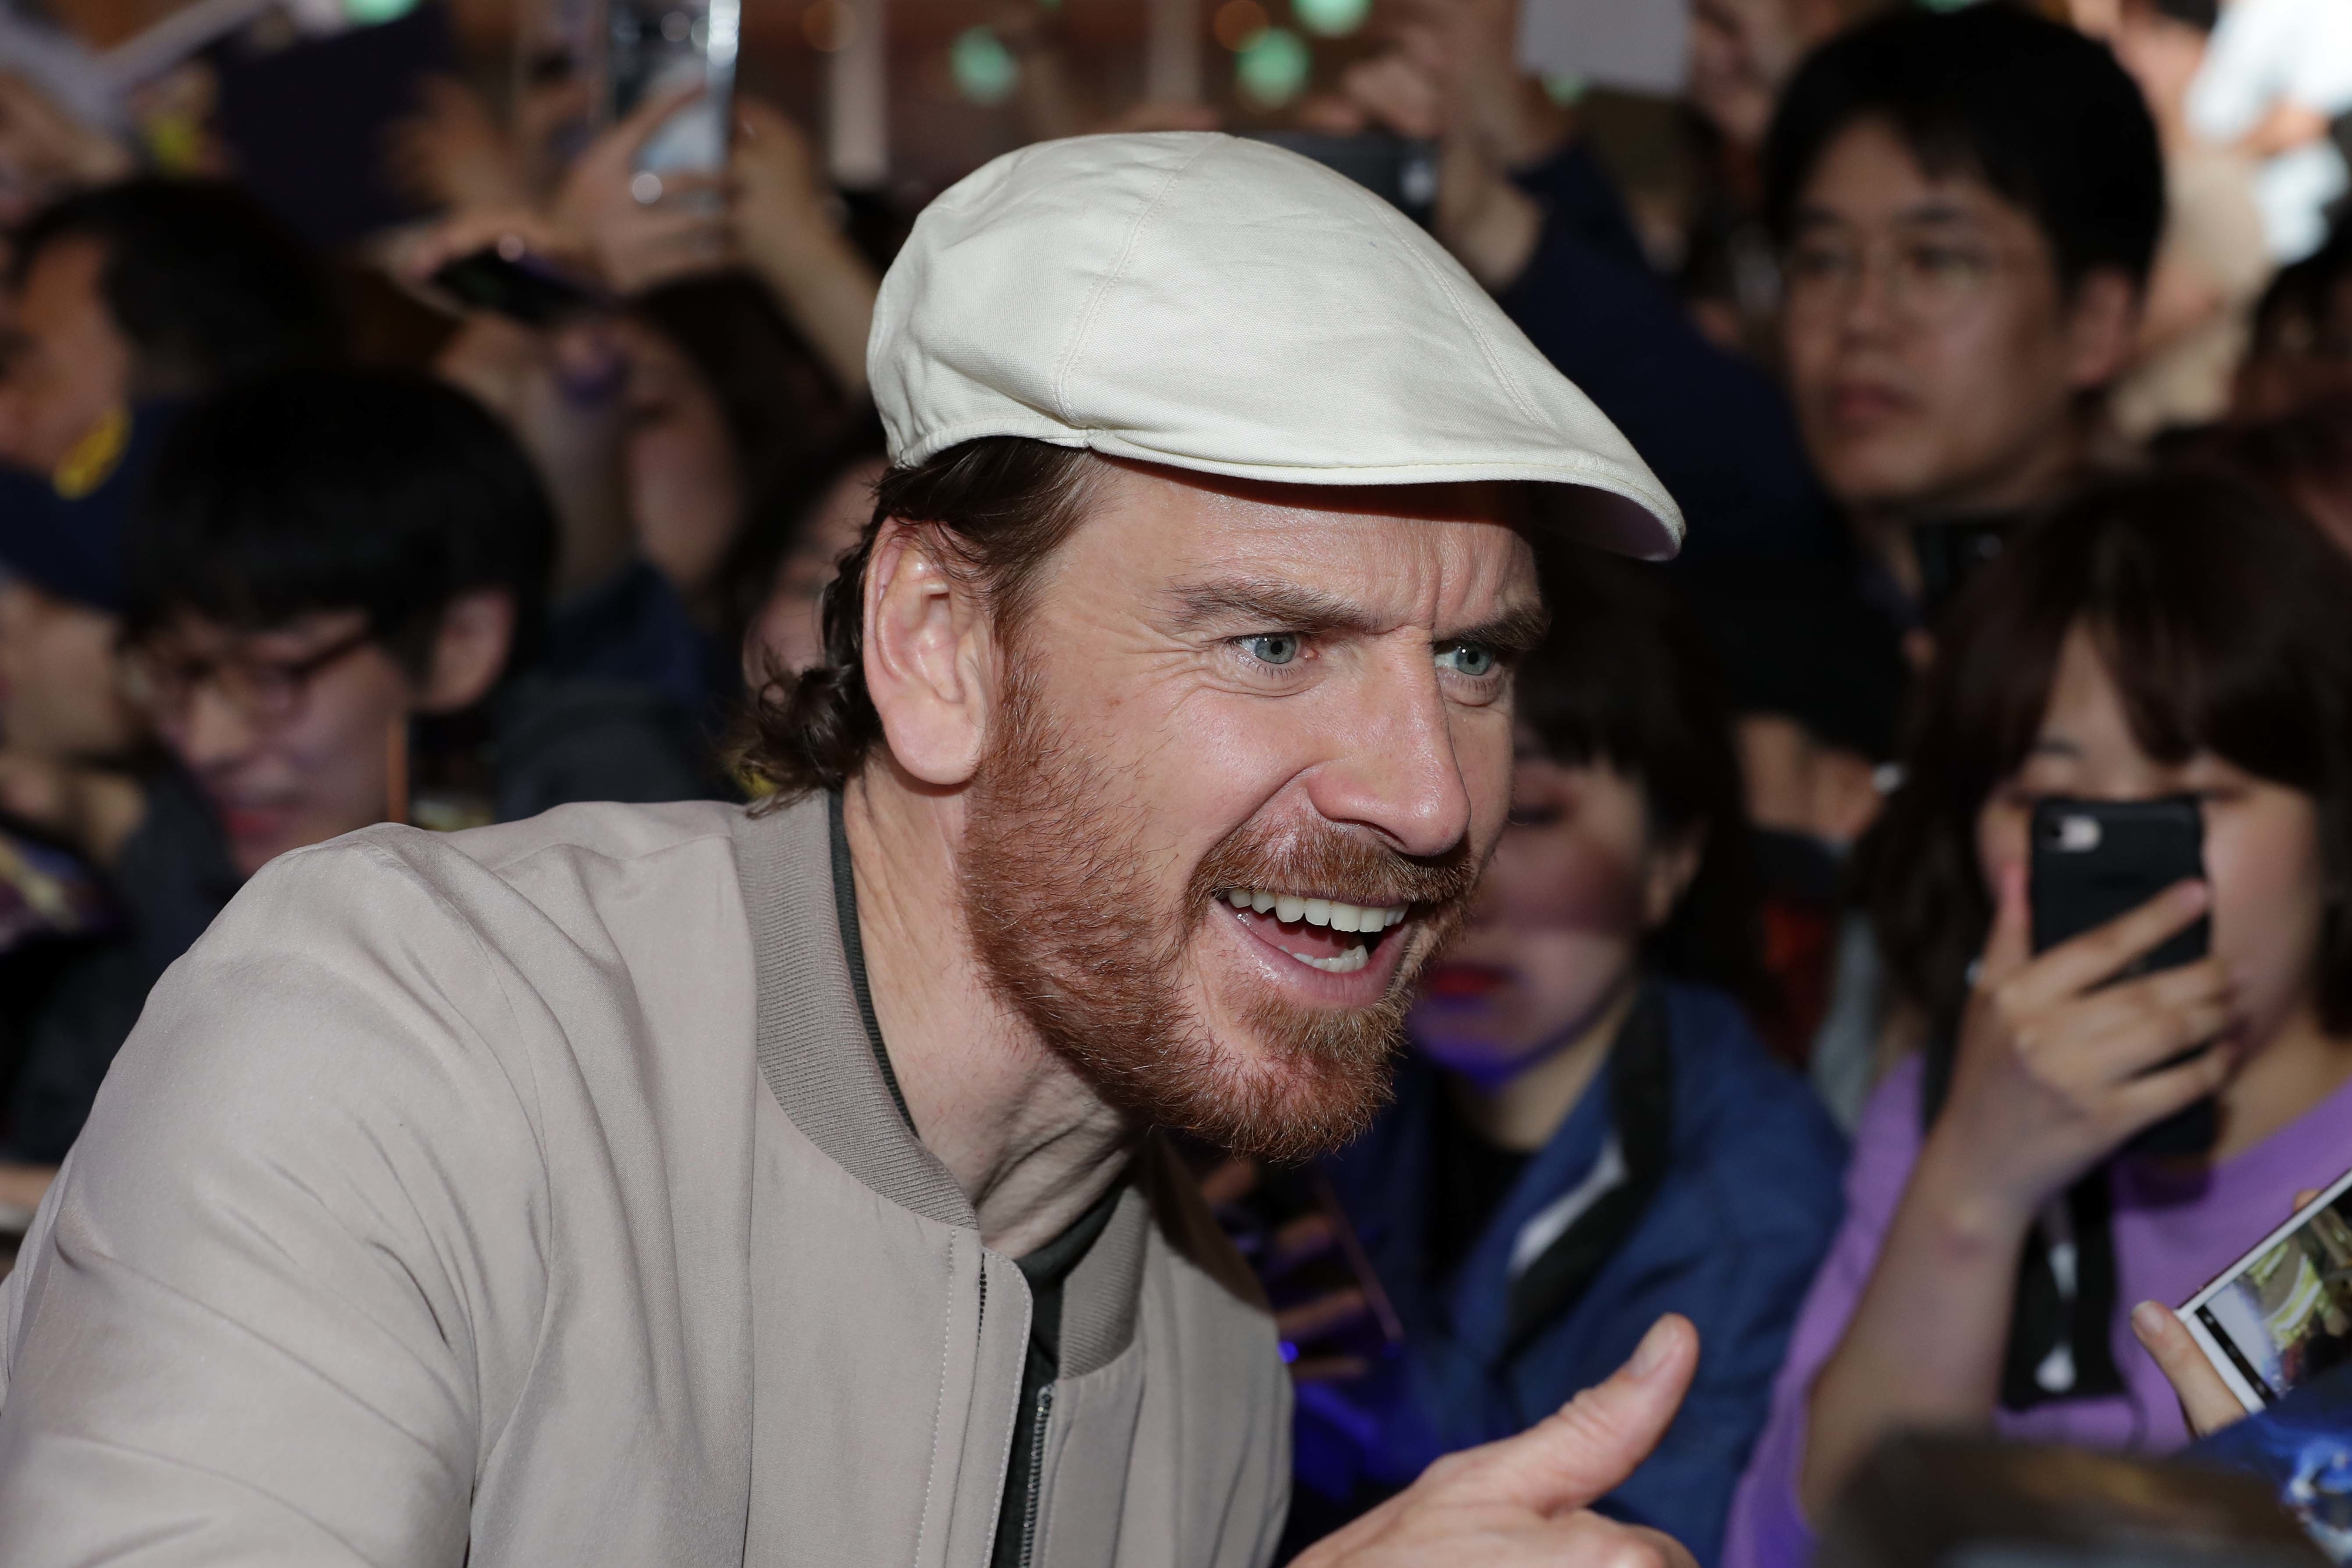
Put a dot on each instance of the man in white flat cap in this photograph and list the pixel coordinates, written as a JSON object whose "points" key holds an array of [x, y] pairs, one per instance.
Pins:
{"points": [[692, 1185]]}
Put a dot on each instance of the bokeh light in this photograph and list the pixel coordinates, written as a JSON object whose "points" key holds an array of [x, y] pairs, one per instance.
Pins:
{"points": [[1238, 23], [1274, 68], [985, 71], [1331, 18]]}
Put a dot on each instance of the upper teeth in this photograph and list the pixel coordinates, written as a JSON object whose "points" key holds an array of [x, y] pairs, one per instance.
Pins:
{"points": [[1331, 912]]}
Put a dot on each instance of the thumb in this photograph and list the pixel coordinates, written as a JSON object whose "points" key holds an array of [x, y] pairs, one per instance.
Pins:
{"points": [[1593, 1443], [2010, 945]]}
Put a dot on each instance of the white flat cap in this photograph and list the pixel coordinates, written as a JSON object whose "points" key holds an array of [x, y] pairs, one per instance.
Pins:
{"points": [[1230, 308]]}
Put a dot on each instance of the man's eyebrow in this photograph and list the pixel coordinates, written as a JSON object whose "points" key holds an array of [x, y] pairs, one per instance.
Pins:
{"points": [[1268, 602], [1514, 631]]}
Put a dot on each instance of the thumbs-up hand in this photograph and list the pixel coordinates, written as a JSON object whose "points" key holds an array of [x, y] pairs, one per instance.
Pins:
{"points": [[1523, 1500]]}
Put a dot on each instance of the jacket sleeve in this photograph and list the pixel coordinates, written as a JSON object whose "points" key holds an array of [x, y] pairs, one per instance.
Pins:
{"points": [[1766, 1528], [278, 1302]]}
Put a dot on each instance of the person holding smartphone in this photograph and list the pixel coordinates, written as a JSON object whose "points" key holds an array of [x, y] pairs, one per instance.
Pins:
{"points": [[2169, 636]]}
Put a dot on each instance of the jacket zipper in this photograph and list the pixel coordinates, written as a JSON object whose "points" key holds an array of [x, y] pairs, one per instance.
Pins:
{"points": [[1036, 1475]]}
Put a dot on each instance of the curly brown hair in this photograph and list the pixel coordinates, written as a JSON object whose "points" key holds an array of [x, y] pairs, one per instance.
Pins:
{"points": [[991, 512]]}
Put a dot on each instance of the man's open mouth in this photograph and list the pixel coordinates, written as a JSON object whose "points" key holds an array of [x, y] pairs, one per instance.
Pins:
{"points": [[1327, 934]]}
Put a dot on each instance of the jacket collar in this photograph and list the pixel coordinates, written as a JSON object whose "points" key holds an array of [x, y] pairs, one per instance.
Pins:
{"points": [[811, 1042], [814, 1055]]}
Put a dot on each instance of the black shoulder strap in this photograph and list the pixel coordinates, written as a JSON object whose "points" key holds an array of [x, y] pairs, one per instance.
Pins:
{"points": [[1641, 1088], [2066, 1295]]}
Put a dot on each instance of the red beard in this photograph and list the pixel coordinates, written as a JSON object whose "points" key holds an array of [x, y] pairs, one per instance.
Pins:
{"points": [[1061, 910]]}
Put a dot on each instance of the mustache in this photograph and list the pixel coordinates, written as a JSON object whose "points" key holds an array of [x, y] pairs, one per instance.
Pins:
{"points": [[1325, 861]]}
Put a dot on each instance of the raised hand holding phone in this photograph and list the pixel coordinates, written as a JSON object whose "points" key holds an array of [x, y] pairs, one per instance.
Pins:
{"points": [[2057, 1066]]}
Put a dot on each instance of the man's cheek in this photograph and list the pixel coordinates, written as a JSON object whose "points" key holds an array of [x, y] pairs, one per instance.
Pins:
{"points": [[1482, 743]]}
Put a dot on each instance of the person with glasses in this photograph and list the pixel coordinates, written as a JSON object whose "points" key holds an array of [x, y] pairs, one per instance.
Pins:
{"points": [[321, 562], [1967, 204], [326, 559]]}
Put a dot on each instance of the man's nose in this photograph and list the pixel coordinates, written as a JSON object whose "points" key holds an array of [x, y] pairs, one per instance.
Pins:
{"points": [[1396, 768], [211, 732]]}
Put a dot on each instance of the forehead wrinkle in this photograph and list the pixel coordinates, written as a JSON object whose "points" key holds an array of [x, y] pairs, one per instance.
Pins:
{"points": [[1225, 553]]}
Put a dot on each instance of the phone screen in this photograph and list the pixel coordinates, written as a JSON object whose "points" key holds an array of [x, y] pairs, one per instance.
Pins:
{"points": [[2282, 1316], [657, 47]]}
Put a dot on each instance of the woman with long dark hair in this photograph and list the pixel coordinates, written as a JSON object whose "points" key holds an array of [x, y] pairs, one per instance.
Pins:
{"points": [[2167, 636]]}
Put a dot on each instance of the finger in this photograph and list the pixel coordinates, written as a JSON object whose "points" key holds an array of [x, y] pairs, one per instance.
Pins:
{"points": [[2205, 1399], [2009, 946], [2076, 966], [2123, 1031], [2144, 1101], [2305, 1198], [1593, 1443], [1313, 1320]]}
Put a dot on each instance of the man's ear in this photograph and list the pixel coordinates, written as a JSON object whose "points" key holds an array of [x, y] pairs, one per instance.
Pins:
{"points": [[1672, 865], [927, 658], [470, 650], [2102, 327]]}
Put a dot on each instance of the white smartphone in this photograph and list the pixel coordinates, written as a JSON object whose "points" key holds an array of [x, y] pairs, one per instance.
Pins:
{"points": [[2282, 1314]]}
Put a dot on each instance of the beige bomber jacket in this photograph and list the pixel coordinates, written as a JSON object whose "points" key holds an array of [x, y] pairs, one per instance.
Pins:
{"points": [[530, 1196]]}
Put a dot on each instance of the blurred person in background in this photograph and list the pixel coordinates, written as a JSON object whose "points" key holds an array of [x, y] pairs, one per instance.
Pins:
{"points": [[325, 557], [791, 553], [733, 359], [1742, 53], [2275, 76], [86, 929], [2213, 260], [1586, 1122], [2301, 349], [1968, 204], [147, 290], [322, 559], [1529, 212], [2173, 636]]}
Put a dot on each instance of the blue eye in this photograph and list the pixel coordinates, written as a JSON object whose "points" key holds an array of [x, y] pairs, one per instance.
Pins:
{"points": [[1472, 659], [1272, 647]]}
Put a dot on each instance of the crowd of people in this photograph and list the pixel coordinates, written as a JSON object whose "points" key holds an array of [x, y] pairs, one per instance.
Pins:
{"points": [[2004, 385]]}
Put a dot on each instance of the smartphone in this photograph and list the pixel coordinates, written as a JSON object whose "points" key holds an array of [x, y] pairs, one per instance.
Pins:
{"points": [[656, 46], [1950, 554], [2282, 1314], [1402, 173], [2094, 861], [523, 287]]}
